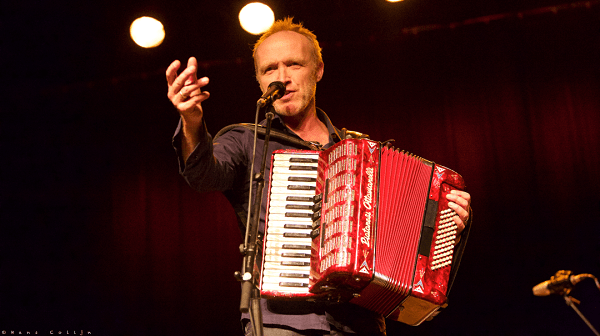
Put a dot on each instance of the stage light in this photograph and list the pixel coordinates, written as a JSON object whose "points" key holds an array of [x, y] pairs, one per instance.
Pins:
{"points": [[394, 0], [256, 18], [147, 32]]}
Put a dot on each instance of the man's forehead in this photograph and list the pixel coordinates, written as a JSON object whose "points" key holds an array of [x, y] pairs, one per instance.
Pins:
{"points": [[297, 45]]}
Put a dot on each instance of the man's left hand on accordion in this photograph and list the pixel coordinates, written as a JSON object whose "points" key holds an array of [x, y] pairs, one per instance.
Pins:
{"points": [[460, 202]]}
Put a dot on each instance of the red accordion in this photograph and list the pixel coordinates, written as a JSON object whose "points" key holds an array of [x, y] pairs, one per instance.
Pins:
{"points": [[360, 222]]}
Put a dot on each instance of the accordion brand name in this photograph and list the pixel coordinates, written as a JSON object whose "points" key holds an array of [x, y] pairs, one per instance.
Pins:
{"points": [[367, 203]]}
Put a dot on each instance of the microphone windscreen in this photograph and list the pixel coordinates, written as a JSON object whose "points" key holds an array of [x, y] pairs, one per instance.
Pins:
{"points": [[542, 289], [280, 88]]}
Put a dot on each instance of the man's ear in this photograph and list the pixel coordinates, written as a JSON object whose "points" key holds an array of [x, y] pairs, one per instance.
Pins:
{"points": [[319, 72]]}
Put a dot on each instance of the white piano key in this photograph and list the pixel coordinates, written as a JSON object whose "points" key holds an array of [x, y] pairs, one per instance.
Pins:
{"points": [[287, 157], [282, 217], [282, 230], [288, 192], [289, 172], [284, 210], [279, 252], [283, 203], [290, 240], [274, 265], [303, 238], [286, 183], [294, 178], [288, 245], [276, 287], [287, 273], [283, 163], [277, 258], [291, 225], [278, 280], [291, 198]]}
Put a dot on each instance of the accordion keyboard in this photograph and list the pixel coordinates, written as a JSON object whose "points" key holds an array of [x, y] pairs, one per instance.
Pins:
{"points": [[287, 237]]}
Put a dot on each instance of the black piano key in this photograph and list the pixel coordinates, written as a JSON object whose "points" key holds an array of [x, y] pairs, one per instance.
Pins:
{"points": [[293, 275], [304, 160], [298, 226], [301, 187], [295, 255], [299, 207], [296, 235], [302, 179], [316, 223], [295, 247], [298, 199], [293, 284], [308, 168], [295, 263], [299, 214], [315, 233], [317, 198]]}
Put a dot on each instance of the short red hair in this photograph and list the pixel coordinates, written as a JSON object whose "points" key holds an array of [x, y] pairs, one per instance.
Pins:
{"points": [[288, 25]]}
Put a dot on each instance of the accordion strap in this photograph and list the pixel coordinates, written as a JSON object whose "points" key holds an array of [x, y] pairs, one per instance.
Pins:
{"points": [[274, 133], [460, 249]]}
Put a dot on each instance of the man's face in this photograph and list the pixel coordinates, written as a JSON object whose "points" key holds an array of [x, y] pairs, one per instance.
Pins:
{"points": [[287, 57]]}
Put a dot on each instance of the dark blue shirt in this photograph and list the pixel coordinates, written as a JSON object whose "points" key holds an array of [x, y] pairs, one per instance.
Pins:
{"points": [[223, 165]]}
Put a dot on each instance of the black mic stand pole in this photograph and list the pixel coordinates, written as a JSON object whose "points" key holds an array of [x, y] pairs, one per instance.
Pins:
{"points": [[250, 248]]}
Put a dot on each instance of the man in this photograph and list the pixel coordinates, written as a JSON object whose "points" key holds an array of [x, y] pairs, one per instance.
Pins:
{"points": [[291, 54]]}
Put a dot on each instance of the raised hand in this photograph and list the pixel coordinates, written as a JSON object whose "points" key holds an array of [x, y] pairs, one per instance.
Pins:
{"points": [[185, 90]]}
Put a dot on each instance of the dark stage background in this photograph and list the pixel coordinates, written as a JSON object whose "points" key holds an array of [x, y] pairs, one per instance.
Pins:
{"points": [[100, 234]]}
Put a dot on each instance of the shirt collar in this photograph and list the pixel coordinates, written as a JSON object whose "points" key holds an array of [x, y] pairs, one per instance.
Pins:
{"points": [[334, 133]]}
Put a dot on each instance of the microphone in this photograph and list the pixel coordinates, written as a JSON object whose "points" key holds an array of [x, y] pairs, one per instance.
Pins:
{"points": [[274, 92], [560, 283]]}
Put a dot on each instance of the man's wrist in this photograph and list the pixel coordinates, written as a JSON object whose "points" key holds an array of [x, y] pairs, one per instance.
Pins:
{"points": [[193, 131]]}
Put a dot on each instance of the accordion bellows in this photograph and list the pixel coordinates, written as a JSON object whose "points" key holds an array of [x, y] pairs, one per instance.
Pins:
{"points": [[360, 222]]}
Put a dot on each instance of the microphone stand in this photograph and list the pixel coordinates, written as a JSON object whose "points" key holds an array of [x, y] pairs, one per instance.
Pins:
{"points": [[562, 283], [571, 301], [250, 295]]}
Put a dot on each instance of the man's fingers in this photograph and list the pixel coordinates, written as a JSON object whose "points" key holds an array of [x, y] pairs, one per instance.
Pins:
{"points": [[172, 72], [193, 89], [181, 80], [191, 105], [460, 202], [192, 62], [461, 216], [185, 90], [460, 211], [462, 194], [197, 96], [201, 97], [460, 197], [191, 101], [178, 83]]}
